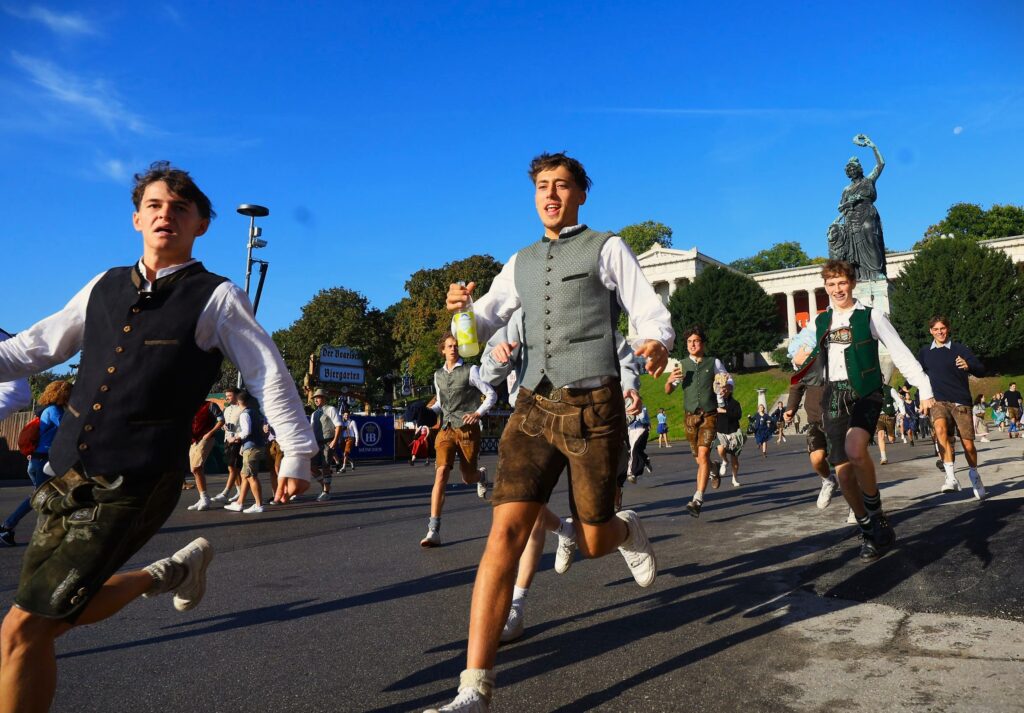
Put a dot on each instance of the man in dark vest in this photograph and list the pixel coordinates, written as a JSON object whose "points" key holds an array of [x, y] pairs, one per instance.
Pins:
{"points": [[326, 424], [848, 335], [458, 386], [152, 336], [697, 374], [570, 411]]}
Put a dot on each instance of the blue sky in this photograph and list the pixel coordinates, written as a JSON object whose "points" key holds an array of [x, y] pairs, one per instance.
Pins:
{"points": [[386, 137]]}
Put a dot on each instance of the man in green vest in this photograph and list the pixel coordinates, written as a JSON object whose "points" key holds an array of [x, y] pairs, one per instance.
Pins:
{"points": [[848, 335], [701, 400]]}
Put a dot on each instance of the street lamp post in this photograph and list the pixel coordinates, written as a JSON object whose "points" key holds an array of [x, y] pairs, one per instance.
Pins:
{"points": [[254, 242]]}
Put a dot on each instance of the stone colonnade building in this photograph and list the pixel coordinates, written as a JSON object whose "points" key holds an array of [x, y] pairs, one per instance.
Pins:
{"points": [[798, 292]]}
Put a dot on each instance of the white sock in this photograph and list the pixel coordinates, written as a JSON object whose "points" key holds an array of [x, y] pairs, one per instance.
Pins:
{"points": [[950, 471], [519, 596], [699, 496], [479, 679]]}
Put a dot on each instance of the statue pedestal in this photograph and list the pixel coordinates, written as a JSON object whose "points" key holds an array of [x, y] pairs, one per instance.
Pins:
{"points": [[875, 294]]}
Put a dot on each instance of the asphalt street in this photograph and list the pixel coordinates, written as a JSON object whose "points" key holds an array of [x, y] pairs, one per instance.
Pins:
{"points": [[760, 605]]}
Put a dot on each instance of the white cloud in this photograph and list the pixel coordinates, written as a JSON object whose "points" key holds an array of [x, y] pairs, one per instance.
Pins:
{"points": [[114, 168], [94, 97], [957, 130], [62, 24]]}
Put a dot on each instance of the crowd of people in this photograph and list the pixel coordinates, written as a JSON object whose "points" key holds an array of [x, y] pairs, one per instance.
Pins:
{"points": [[152, 336]]}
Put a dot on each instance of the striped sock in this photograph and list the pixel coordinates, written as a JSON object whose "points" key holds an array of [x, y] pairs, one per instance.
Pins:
{"points": [[873, 503], [865, 524]]}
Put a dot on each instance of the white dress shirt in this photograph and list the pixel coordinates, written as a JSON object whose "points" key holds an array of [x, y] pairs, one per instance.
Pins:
{"points": [[226, 324], [490, 396], [619, 271], [884, 332], [14, 395]]}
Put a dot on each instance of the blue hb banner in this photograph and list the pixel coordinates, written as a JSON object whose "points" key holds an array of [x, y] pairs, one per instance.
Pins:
{"points": [[376, 437]]}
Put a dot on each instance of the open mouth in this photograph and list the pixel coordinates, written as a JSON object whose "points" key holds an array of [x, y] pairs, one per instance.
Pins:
{"points": [[552, 209]]}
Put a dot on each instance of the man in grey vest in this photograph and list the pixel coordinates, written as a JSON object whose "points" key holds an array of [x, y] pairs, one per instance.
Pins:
{"points": [[326, 430], [570, 411], [458, 386], [153, 336]]}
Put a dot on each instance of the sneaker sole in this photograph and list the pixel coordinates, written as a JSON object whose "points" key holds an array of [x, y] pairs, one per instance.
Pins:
{"points": [[199, 577]]}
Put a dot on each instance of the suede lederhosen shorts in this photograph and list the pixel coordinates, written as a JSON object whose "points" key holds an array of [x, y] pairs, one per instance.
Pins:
{"points": [[463, 441], [701, 429], [961, 415], [887, 424], [843, 411], [582, 429], [85, 533]]}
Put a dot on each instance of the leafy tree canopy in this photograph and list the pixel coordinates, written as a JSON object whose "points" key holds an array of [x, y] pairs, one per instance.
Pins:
{"points": [[419, 320], [736, 313], [971, 221], [641, 237], [978, 289], [777, 257]]}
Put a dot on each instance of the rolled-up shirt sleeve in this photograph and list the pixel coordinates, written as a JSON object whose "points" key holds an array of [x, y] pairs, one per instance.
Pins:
{"points": [[490, 395], [227, 323]]}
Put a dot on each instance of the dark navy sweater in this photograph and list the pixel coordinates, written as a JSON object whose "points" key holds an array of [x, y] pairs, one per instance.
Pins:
{"points": [[948, 382]]}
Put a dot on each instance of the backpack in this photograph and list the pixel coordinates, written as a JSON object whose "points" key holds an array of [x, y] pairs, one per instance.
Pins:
{"points": [[28, 439]]}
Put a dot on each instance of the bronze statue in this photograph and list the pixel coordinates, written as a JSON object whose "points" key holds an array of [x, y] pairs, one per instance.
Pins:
{"points": [[856, 235]]}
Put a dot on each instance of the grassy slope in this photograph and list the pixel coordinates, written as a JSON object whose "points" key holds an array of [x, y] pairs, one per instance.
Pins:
{"points": [[776, 381]]}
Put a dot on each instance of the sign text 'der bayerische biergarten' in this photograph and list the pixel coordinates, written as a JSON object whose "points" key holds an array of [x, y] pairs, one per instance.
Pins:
{"points": [[340, 356], [341, 365]]}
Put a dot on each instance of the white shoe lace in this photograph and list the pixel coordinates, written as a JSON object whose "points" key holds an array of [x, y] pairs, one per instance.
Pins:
{"points": [[467, 700]]}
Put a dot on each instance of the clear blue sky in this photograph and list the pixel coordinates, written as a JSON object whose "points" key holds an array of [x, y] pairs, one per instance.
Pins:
{"points": [[386, 137]]}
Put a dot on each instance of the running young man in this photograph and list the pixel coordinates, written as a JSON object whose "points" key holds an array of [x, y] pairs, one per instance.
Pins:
{"points": [[699, 377], [730, 434], [570, 410], [848, 336], [497, 366], [458, 386], [809, 385], [350, 439], [948, 364], [151, 336]]}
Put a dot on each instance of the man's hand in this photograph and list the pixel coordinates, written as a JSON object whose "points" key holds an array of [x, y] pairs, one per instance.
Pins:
{"points": [[470, 418], [656, 355], [961, 363], [458, 296], [334, 443], [503, 352], [926, 405], [676, 374], [801, 356], [635, 407], [787, 416]]}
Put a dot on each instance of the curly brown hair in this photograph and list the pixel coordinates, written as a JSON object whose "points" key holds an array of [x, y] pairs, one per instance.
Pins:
{"points": [[178, 181], [56, 393], [444, 338], [547, 161], [838, 268]]}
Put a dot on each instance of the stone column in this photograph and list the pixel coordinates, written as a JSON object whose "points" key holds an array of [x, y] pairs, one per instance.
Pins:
{"points": [[790, 315]]}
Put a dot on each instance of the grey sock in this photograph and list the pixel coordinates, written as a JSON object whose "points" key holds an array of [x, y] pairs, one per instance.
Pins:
{"points": [[167, 576], [434, 524]]}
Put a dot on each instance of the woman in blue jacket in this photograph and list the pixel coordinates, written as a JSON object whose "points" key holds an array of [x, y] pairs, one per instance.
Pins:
{"points": [[55, 397], [764, 427]]}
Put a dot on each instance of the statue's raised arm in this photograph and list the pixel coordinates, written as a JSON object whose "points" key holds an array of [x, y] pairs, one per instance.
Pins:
{"points": [[863, 140]]}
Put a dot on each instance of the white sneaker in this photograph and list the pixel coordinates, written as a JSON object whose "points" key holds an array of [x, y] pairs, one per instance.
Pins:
{"points": [[203, 503], [722, 469], [322, 497], [481, 485], [977, 485], [253, 509], [234, 507], [219, 498], [639, 555], [469, 700], [950, 484], [196, 557], [433, 539], [851, 519], [565, 553], [514, 625], [828, 490], [735, 483], [883, 460]]}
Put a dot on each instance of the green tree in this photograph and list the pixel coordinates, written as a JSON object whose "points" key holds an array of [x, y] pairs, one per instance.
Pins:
{"points": [[419, 320], [341, 317], [641, 237], [971, 221], [978, 289], [777, 257], [736, 313], [38, 382]]}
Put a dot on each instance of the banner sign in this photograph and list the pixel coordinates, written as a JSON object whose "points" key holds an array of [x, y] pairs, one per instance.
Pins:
{"points": [[340, 356], [376, 437], [331, 374]]}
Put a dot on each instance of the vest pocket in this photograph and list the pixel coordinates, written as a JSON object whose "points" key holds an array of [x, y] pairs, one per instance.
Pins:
{"points": [[580, 340], [577, 276], [160, 342]]}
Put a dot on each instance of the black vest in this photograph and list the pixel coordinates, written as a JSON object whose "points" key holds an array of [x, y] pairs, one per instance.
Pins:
{"points": [[141, 377]]}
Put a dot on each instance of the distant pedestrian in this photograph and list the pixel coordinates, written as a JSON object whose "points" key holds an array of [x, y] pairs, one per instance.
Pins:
{"points": [[326, 425], [1012, 398], [421, 446], [350, 440], [979, 411], [662, 419], [52, 403], [252, 438], [638, 431], [886, 428], [779, 422], [763, 428], [730, 434], [207, 420]]}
